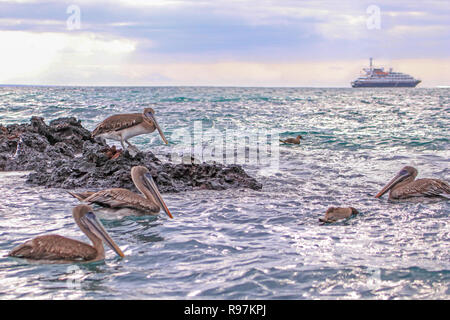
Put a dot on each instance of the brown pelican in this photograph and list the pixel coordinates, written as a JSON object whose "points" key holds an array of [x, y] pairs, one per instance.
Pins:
{"points": [[404, 186], [119, 199], [334, 214], [121, 127], [54, 248], [292, 140]]}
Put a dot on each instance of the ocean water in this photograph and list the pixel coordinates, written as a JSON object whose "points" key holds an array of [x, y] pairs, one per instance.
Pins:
{"points": [[247, 244]]}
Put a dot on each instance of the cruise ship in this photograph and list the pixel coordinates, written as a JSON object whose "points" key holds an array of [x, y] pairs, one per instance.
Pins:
{"points": [[377, 77]]}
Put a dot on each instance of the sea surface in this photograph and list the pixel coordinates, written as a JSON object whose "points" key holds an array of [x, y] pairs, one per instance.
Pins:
{"points": [[242, 243]]}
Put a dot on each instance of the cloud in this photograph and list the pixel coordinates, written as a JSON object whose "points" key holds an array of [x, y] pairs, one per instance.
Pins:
{"points": [[436, 31], [160, 41], [28, 56]]}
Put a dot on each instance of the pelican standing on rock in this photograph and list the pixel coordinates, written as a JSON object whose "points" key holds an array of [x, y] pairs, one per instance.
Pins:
{"points": [[123, 200], [121, 127], [55, 248], [404, 186], [292, 140]]}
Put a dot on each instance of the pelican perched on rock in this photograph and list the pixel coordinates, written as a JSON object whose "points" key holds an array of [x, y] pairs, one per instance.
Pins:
{"points": [[334, 214], [124, 200], [404, 186], [292, 140], [121, 127], [55, 248]]}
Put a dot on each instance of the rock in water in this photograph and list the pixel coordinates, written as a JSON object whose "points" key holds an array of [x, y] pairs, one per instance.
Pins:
{"points": [[63, 154], [31, 146]]}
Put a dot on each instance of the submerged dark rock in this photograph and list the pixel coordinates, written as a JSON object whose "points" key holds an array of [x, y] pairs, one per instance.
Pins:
{"points": [[63, 154]]}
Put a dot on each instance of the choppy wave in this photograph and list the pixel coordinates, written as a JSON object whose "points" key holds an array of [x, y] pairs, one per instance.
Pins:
{"points": [[245, 244]]}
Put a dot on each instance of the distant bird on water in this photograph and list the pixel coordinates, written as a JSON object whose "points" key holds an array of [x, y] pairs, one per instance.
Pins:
{"points": [[121, 127], [58, 249], [125, 201], [292, 140], [404, 186], [334, 214]]}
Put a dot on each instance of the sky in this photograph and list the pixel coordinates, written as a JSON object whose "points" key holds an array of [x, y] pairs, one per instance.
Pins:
{"points": [[318, 43]]}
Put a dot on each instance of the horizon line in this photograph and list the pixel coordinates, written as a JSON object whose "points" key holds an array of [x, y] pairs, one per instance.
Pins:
{"points": [[211, 86]]}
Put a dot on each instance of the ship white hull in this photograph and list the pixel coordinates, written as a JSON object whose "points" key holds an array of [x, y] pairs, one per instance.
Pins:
{"points": [[361, 84]]}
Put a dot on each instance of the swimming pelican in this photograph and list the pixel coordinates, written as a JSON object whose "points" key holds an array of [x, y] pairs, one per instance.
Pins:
{"points": [[334, 214], [404, 186], [121, 127], [126, 200], [55, 248], [292, 140]]}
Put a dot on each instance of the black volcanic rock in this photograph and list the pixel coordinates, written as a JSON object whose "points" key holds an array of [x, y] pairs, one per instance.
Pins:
{"points": [[30, 146], [63, 154]]}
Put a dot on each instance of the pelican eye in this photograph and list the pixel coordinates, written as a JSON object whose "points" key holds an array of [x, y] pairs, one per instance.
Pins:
{"points": [[149, 176], [90, 215], [404, 172]]}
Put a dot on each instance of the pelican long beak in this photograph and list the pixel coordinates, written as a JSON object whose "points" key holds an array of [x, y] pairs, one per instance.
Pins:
{"points": [[158, 127], [155, 192], [97, 228], [399, 177]]}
